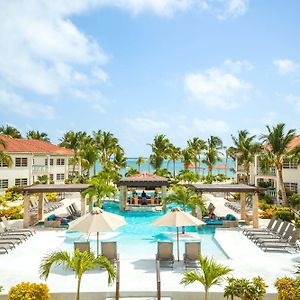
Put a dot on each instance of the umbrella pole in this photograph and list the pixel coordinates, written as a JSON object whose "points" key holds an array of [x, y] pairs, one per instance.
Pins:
{"points": [[177, 242], [97, 243]]}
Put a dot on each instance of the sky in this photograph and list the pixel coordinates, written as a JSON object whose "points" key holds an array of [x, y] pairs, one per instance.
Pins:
{"points": [[138, 68]]}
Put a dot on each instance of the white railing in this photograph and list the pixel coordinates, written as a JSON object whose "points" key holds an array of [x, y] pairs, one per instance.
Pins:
{"points": [[39, 168]]}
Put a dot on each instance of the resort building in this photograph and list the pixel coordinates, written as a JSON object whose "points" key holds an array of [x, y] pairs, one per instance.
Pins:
{"points": [[31, 159], [291, 174]]}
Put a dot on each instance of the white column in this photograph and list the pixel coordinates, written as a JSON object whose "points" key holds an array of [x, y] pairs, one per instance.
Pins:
{"points": [[26, 215], [41, 207], [255, 210], [83, 205], [123, 197], [243, 205]]}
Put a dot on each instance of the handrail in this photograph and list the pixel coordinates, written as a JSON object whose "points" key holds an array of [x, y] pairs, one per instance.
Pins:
{"points": [[118, 281], [158, 283]]}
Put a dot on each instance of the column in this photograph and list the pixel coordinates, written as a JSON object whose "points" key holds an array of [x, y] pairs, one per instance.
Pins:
{"points": [[163, 195], [91, 203], [243, 205], [255, 210], [123, 197], [26, 215], [83, 205], [41, 207]]}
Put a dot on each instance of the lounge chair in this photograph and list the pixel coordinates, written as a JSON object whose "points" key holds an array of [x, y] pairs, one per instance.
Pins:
{"points": [[8, 227], [192, 253], [109, 250], [6, 246], [273, 231], [4, 235], [165, 253], [272, 235], [248, 231], [282, 235], [82, 246], [283, 246], [75, 209]]}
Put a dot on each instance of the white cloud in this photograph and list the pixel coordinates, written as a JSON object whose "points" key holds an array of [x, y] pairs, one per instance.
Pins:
{"points": [[285, 66], [294, 100], [210, 125], [13, 103], [216, 88], [269, 118], [141, 124], [238, 66]]}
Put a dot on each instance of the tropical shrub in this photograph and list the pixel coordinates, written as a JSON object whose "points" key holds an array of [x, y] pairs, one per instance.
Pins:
{"points": [[288, 288], [294, 201], [267, 199], [2, 201], [297, 222], [1, 288], [29, 291], [51, 196], [12, 193], [245, 289], [265, 206], [268, 213], [12, 213], [285, 214]]}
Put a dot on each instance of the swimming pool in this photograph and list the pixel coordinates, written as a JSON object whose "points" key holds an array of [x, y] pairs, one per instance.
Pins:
{"points": [[138, 239]]}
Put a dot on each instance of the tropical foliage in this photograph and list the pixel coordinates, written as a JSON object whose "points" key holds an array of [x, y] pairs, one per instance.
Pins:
{"points": [[37, 135], [210, 273], [5, 159], [11, 131], [212, 153], [27, 290], [79, 262]]}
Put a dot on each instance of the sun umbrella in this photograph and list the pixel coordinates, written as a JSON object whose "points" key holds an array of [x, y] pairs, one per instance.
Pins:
{"points": [[177, 218], [97, 221]]}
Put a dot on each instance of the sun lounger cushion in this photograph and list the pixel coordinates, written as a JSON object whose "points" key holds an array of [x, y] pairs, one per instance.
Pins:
{"points": [[51, 217]]}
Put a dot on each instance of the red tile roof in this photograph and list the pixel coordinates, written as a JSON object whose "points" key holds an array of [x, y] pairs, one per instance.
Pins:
{"points": [[145, 177], [32, 146], [294, 143]]}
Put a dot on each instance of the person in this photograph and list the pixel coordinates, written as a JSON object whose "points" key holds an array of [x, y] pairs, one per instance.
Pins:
{"points": [[144, 194], [212, 216]]}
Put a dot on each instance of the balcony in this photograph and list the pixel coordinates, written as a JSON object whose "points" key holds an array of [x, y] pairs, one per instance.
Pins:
{"points": [[39, 169], [270, 172]]}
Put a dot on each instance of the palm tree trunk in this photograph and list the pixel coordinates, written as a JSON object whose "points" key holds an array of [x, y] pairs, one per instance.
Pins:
{"points": [[78, 287], [206, 293], [174, 168], [139, 165], [210, 169], [283, 192], [94, 169]]}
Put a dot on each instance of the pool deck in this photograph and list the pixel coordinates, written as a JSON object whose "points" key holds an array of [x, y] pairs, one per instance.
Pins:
{"points": [[138, 275]]}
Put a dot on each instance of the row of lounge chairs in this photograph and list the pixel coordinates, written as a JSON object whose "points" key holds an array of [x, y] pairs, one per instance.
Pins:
{"points": [[108, 249], [277, 236], [190, 258], [164, 252], [73, 211], [10, 237], [48, 206], [236, 206]]}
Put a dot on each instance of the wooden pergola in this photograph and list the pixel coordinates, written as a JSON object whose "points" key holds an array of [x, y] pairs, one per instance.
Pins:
{"points": [[40, 189], [141, 180], [242, 189]]}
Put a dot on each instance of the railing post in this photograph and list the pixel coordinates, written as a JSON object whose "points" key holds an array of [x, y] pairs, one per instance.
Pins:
{"points": [[158, 280], [118, 281]]}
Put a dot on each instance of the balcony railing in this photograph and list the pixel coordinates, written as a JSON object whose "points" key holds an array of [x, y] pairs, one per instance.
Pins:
{"points": [[270, 172], [39, 168], [271, 193]]}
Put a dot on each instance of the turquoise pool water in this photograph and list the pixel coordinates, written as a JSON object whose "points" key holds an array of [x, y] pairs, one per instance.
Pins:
{"points": [[138, 239]]}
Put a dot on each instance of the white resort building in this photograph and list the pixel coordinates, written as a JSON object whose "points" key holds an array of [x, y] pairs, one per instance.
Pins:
{"points": [[33, 158], [291, 174]]}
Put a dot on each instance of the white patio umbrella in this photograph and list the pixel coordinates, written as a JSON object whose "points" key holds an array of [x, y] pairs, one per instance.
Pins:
{"points": [[97, 221], [177, 218]]}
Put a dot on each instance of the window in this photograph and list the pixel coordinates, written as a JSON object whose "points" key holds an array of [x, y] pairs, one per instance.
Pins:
{"points": [[51, 176], [292, 186], [60, 162], [20, 181], [21, 162], [3, 183], [3, 164], [60, 176], [287, 164]]}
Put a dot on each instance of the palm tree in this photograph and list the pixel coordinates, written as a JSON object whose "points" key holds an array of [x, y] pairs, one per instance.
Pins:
{"points": [[131, 171], [174, 154], [88, 154], [159, 147], [244, 150], [5, 158], [187, 176], [196, 146], [211, 274], [183, 196], [73, 140], [212, 153], [186, 158], [11, 131], [106, 144], [119, 161], [36, 135], [276, 143], [80, 262], [140, 160]]}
